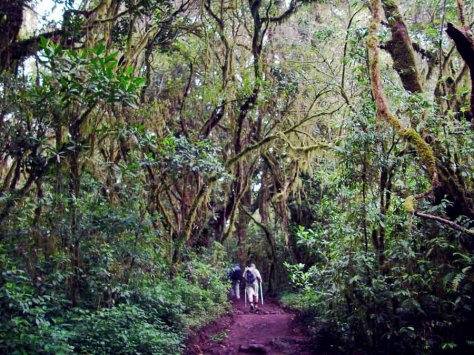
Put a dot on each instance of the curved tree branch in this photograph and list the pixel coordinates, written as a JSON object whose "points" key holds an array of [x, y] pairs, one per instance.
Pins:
{"points": [[444, 221]]}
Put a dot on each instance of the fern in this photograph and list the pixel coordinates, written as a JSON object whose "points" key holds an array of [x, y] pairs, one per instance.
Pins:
{"points": [[457, 281]]}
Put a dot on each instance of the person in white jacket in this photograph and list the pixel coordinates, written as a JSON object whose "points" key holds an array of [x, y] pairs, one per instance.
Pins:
{"points": [[252, 279]]}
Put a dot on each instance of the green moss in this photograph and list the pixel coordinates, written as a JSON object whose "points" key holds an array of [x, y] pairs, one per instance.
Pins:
{"points": [[424, 150], [409, 204], [389, 3], [383, 112], [395, 122]]}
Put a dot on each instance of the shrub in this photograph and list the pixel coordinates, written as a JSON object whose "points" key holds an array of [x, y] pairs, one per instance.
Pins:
{"points": [[151, 318], [124, 329]]}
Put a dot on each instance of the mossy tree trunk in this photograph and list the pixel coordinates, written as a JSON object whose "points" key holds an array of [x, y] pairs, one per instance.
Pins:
{"points": [[449, 182]]}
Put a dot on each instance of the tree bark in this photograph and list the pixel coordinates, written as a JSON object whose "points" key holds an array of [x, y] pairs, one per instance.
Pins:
{"points": [[384, 113], [11, 19], [464, 41], [401, 48]]}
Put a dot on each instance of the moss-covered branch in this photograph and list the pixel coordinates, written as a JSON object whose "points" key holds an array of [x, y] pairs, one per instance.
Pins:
{"points": [[383, 111], [401, 48]]}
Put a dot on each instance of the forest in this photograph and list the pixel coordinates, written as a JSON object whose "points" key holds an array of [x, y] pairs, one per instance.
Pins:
{"points": [[146, 146]]}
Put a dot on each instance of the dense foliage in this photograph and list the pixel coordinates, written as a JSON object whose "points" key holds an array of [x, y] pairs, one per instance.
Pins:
{"points": [[151, 315], [147, 144]]}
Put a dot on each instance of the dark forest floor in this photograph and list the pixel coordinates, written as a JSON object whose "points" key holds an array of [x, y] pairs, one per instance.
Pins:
{"points": [[272, 330]]}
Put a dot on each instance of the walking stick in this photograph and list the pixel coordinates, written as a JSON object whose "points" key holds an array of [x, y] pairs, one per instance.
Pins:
{"points": [[261, 292], [245, 292]]}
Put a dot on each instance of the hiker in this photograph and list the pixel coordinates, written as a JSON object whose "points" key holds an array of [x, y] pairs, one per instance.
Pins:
{"points": [[235, 275], [252, 279]]}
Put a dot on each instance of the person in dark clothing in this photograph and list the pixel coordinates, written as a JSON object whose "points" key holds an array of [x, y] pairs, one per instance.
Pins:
{"points": [[235, 276]]}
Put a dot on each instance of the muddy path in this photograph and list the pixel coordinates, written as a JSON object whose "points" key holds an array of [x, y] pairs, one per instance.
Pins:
{"points": [[271, 330]]}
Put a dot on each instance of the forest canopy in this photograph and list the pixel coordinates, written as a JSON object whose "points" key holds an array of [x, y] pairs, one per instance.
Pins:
{"points": [[146, 145]]}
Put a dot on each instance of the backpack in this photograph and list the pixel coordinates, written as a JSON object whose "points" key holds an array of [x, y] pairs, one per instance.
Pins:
{"points": [[249, 277], [235, 275]]}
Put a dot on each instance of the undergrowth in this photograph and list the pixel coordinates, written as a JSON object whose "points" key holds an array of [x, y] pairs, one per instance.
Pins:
{"points": [[154, 318]]}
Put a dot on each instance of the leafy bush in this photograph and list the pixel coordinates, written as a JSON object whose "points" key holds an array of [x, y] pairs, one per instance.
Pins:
{"points": [[27, 319], [350, 302], [153, 318], [124, 329]]}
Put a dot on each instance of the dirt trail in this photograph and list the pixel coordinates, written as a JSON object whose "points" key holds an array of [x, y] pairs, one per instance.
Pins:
{"points": [[272, 330]]}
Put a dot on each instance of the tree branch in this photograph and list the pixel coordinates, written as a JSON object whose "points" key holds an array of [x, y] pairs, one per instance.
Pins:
{"points": [[401, 48], [445, 221]]}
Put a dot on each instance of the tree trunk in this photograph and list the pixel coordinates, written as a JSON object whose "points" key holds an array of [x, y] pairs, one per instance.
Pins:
{"points": [[11, 19], [464, 41], [401, 48]]}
